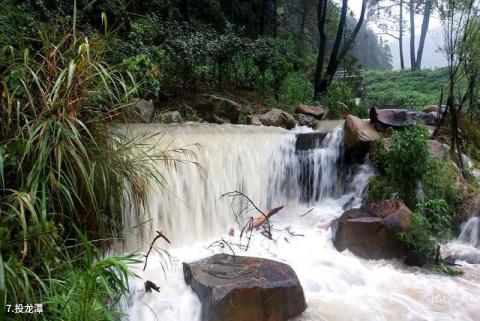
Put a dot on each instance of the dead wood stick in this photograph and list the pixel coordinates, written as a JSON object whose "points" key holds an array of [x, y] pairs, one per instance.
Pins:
{"points": [[159, 235], [265, 216]]}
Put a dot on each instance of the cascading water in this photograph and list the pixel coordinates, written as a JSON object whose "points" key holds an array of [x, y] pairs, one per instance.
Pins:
{"points": [[264, 164]]}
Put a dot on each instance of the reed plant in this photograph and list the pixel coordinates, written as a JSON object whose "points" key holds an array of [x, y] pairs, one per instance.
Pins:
{"points": [[65, 171]]}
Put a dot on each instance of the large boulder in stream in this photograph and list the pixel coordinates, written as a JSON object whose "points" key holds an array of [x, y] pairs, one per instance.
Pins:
{"points": [[240, 288], [371, 231], [358, 135], [278, 118], [218, 110], [314, 111], [305, 120], [399, 118]]}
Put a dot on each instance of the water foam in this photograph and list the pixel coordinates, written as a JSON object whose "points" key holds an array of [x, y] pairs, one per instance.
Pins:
{"points": [[263, 163]]}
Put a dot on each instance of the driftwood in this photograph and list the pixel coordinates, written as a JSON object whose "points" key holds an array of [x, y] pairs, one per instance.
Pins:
{"points": [[265, 216]]}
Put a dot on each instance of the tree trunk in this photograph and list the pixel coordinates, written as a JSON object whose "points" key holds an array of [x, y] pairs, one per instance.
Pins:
{"points": [[275, 18], [400, 37], [304, 16], [322, 82], [423, 35], [184, 10], [261, 28], [321, 20], [413, 64]]}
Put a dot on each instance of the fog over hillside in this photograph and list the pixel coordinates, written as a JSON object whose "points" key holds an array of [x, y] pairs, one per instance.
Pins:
{"points": [[432, 57]]}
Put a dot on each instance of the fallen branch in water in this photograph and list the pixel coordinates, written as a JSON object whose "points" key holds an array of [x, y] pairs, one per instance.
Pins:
{"points": [[306, 213], [265, 216], [222, 243], [159, 235]]}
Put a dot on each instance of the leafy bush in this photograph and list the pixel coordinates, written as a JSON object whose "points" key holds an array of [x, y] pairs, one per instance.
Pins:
{"points": [[145, 72], [62, 162], [426, 185], [407, 160], [404, 164], [419, 238], [339, 101]]}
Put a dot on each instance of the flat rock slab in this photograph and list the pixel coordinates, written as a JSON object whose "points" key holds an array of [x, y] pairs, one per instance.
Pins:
{"points": [[240, 288], [308, 141]]}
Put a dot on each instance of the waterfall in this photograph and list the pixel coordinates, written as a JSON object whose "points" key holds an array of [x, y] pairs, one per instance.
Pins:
{"points": [[470, 232], [273, 167], [263, 163]]}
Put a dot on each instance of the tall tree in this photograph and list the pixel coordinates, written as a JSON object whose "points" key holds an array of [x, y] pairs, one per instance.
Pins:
{"points": [[427, 11], [461, 25], [323, 79], [389, 17], [413, 63], [400, 35], [415, 6]]}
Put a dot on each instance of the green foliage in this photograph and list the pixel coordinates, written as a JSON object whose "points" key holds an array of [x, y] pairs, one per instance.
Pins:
{"points": [[419, 237], [439, 183], [296, 88], [404, 89], [439, 215], [407, 160], [62, 163], [339, 101], [380, 189], [404, 164], [431, 223], [407, 166], [145, 72]]}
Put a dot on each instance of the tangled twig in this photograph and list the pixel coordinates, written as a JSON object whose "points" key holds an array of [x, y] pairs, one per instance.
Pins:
{"points": [[159, 235]]}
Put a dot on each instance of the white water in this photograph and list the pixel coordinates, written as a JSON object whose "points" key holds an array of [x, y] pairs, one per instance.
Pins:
{"points": [[262, 163]]}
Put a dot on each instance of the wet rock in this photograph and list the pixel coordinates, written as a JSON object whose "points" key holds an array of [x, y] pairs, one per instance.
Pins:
{"points": [[305, 120], [358, 136], [370, 231], [457, 252], [278, 118], [171, 117], [314, 111], [307, 141], [434, 109], [438, 150], [144, 110], [399, 118], [415, 258], [218, 110], [254, 120], [238, 288]]}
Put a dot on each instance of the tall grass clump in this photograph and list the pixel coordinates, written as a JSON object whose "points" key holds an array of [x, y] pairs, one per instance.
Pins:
{"points": [[63, 167]]}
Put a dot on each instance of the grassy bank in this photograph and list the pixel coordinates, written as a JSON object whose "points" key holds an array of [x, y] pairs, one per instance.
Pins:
{"points": [[404, 89]]}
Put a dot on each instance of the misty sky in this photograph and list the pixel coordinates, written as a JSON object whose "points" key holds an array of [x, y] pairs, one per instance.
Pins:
{"points": [[432, 58]]}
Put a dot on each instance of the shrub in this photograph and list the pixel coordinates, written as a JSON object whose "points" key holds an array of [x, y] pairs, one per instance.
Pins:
{"points": [[419, 237], [407, 160], [63, 164]]}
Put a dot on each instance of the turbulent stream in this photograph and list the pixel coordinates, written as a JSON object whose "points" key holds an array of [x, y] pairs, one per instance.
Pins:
{"points": [[264, 164]]}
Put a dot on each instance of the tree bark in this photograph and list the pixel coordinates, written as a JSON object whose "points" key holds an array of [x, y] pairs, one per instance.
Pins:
{"points": [[275, 18], [423, 35], [413, 63], [184, 10], [304, 16], [263, 10], [400, 37], [323, 81], [321, 20]]}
